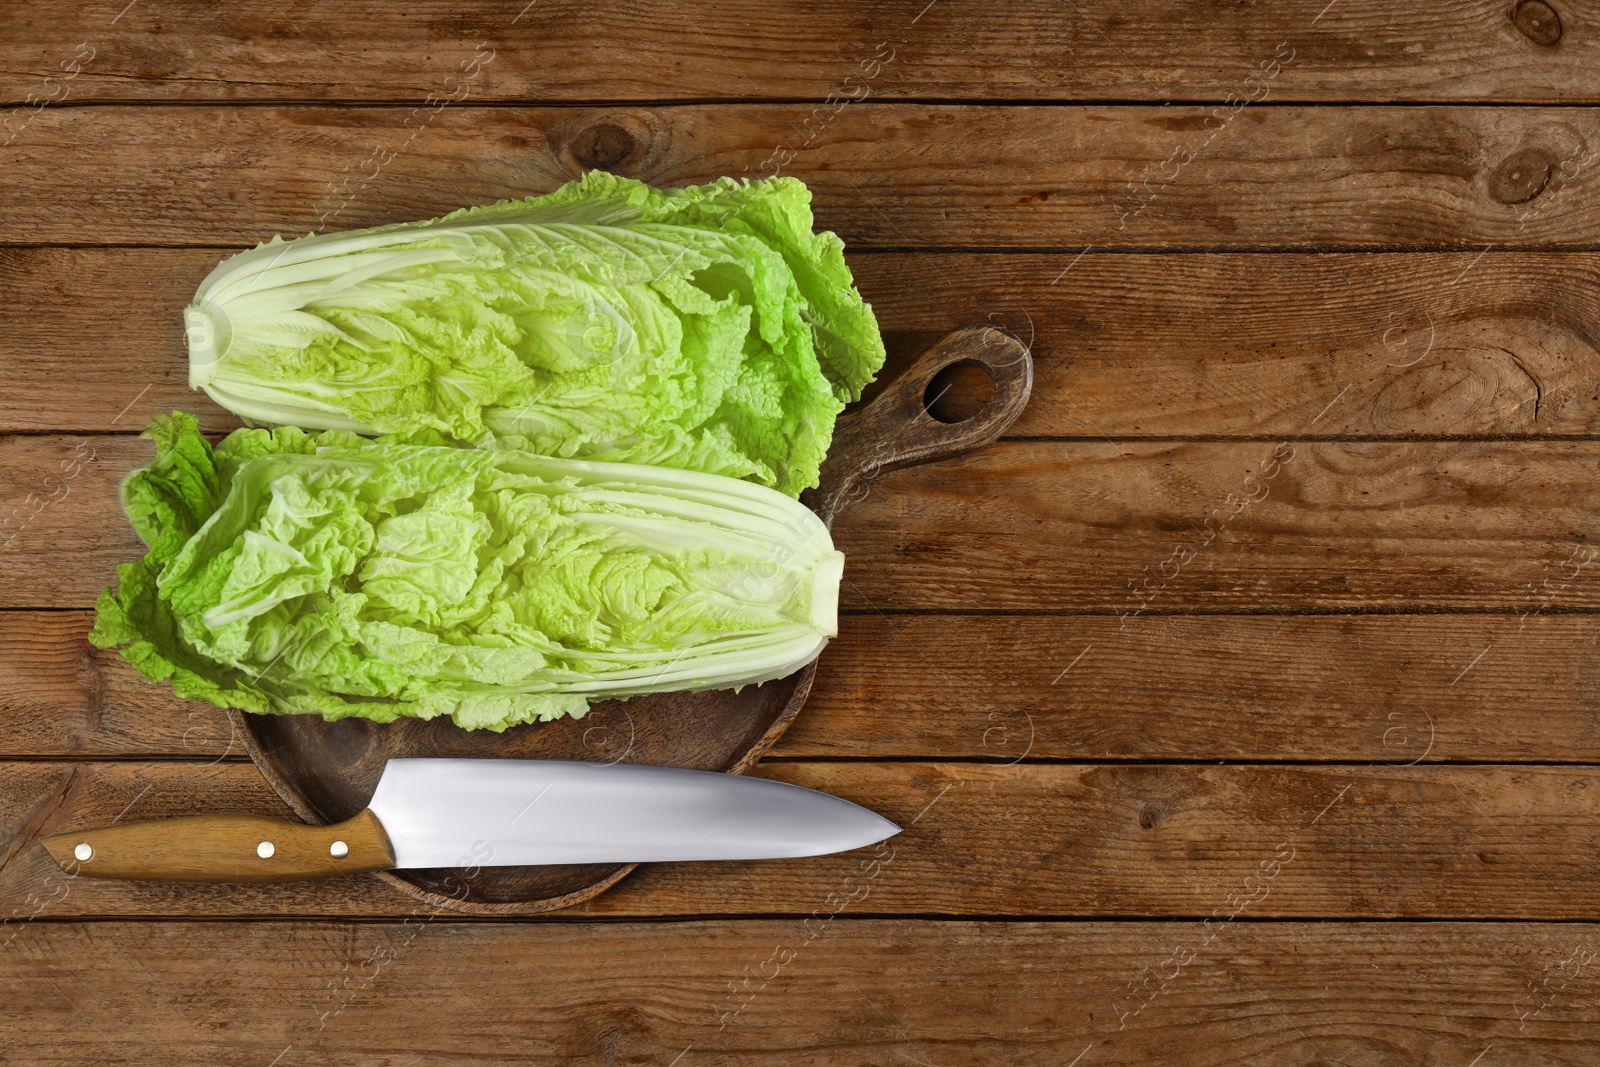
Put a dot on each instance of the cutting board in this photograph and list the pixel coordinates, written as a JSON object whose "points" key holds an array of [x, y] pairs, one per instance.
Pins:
{"points": [[327, 771]]}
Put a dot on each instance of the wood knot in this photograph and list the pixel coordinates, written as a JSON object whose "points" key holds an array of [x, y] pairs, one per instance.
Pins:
{"points": [[1538, 22], [1150, 816], [602, 147], [1521, 176]]}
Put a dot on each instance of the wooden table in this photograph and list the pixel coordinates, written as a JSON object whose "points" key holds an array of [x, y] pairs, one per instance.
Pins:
{"points": [[1240, 705]]}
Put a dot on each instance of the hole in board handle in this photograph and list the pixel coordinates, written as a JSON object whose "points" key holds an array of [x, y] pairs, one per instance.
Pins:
{"points": [[958, 392]]}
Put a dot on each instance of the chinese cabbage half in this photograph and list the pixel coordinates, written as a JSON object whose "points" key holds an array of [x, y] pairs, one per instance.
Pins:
{"points": [[705, 328], [296, 572]]}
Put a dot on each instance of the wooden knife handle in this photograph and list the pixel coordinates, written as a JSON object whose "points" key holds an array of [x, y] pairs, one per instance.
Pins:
{"points": [[225, 848]]}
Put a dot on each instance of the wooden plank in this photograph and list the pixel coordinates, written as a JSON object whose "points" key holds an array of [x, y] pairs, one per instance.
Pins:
{"points": [[872, 991], [1207, 687], [567, 50], [62, 532], [1390, 688], [1252, 841], [63, 696], [1215, 345], [1132, 528], [944, 176], [1095, 527], [1124, 345], [64, 371]]}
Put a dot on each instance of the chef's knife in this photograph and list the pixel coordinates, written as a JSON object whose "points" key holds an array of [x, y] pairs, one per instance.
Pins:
{"points": [[490, 813]]}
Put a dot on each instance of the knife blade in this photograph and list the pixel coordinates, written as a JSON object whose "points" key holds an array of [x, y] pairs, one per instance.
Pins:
{"points": [[490, 813]]}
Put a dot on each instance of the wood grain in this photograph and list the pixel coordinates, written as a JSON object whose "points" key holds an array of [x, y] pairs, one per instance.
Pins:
{"points": [[1128, 529], [883, 175], [1391, 688], [62, 370], [567, 50], [60, 695], [1205, 687], [1251, 841], [1131, 528], [1125, 345], [776, 992], [1228, 344], [61, 528]]}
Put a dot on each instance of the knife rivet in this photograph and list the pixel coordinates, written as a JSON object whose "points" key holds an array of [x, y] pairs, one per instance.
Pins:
{"points": [[338, 850], [265, 850], [83, 852]]}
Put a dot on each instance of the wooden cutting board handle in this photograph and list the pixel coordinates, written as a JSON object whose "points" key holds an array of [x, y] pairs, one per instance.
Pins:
{"points": [[224, 848], [895, 429]]}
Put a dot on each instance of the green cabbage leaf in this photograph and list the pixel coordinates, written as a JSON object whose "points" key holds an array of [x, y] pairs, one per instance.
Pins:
{"points": [[295, 572], [706, 328]]}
